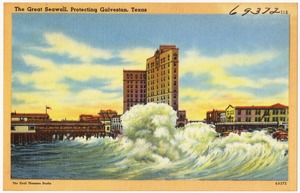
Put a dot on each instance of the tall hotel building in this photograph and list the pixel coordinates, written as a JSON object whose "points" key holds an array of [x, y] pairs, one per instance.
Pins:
{"points": [[134, 88], [162, 76], [158, 84]]}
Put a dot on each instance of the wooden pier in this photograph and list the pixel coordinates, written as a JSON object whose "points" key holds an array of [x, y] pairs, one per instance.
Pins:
{"points": [[49, 131]]}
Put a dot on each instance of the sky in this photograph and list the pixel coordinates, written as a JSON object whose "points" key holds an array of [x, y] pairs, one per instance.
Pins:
{"points": [[74, 62]]}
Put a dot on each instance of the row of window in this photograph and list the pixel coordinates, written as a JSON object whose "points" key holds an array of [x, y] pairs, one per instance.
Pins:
{"points": [[136, 82], [117, 127], [157, 80], [136, 86], [136, 95], [163, 83], [265, 119], [136, 91], [266, 112], [132, 103], [163, 66], [136, 76], [163, 72], [163, 91], [162, 60]]}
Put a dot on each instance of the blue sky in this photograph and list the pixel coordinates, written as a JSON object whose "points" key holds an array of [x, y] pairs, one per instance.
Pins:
{"points": [[74, 62]]}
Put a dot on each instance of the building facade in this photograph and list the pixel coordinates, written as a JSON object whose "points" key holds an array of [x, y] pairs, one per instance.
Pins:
{"points": [[214, 116], [273, 113], [105, 118], [116, 123], [223, 117], [162, 76], [181, 120], [230, 114], [134, 88]]}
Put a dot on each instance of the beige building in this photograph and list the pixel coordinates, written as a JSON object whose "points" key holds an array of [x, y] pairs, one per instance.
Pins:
{"points": [[134, 88], [162, 76]]}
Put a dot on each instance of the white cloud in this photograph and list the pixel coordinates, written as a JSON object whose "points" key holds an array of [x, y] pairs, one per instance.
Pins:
{"points": [[216, 67], [62, 44], [49, 75], [137, 56]]}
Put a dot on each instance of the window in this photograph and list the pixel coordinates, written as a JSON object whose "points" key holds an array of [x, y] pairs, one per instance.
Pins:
{"points": [[282, 118], [248, 119], [257, 112], [248, 112], [282, 111], [239, 119], [31, 128], [275, 112], [12, 128], [239, 112], [267, 119]]}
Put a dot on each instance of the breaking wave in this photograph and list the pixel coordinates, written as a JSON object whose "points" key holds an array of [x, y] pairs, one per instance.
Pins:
{"points": [[152, 148]]}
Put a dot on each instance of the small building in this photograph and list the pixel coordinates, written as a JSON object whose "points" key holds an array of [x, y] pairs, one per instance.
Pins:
{"points": [[230, 114], [214, 116], [181, 120], [105, 118], [116, 124]]}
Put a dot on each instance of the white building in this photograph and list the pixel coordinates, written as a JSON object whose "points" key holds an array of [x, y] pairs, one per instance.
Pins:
{"points": [[116, 123]]}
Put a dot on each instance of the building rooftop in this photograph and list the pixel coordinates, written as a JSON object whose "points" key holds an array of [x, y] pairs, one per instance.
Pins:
{"points": [[275, 106], [14, 114]]}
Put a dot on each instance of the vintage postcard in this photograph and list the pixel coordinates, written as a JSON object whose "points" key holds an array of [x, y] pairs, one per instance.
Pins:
{"points": [[150, 96]]}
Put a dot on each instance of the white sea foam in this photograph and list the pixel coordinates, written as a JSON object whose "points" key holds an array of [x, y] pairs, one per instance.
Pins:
{"points": [[196, 151]]}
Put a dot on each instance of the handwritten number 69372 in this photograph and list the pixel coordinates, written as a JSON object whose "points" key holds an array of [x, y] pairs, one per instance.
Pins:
{"points": [[255, 12]]}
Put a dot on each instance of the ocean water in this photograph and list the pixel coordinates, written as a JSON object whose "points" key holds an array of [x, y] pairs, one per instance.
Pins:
{"points": [[152, 148]]}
